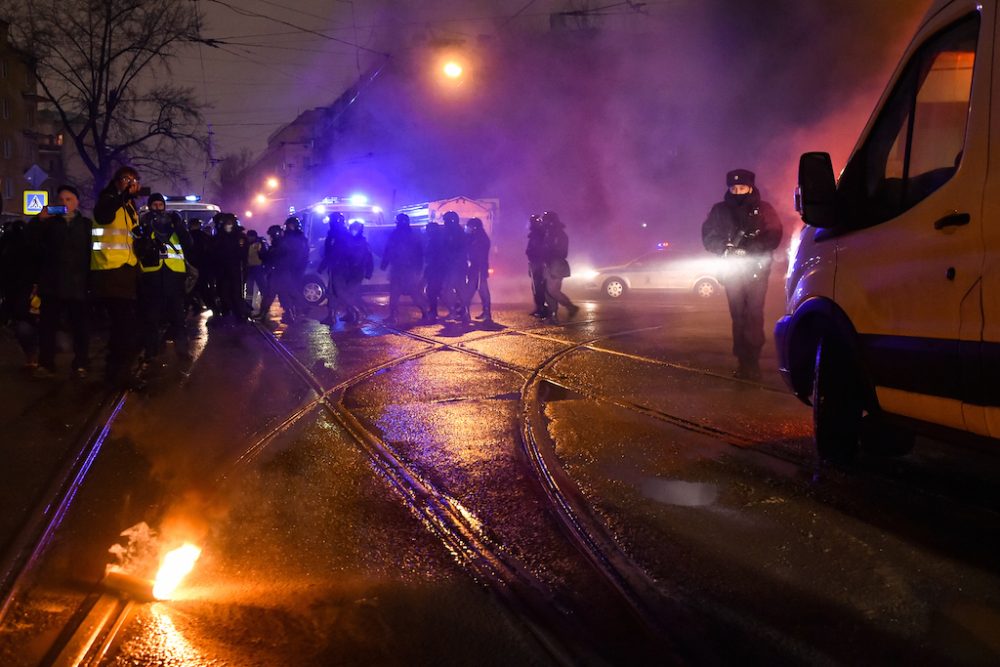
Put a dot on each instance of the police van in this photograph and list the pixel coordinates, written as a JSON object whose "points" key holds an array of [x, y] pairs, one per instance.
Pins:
{"points": [[189, 207], [893, 294]]}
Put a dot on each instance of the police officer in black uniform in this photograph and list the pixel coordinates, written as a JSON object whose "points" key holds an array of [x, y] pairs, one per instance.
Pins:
{"points": [[744, 230], [404, 258]]}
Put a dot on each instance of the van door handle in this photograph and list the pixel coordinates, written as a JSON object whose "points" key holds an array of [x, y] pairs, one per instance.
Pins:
{"points": [[953, 220]]}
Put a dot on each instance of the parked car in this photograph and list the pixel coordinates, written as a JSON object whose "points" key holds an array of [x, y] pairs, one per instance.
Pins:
{"points": [[892, 318], [660, 270]]}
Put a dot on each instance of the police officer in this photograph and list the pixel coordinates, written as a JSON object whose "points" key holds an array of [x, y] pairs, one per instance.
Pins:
{"points": [[479, 268], [536, 264], [744, 230], [404, 258], [455, 259], [358, 265], [160, 243], [434, 269], [556, 264], [290, 267], [114, 271], [334, 249], [197, 254], [229, 261]]}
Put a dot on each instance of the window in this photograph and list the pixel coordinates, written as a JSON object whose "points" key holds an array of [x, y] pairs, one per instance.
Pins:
{"points": [[916, 143]]}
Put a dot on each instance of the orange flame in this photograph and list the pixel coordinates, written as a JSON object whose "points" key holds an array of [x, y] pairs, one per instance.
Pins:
{"points": [[176, 565]]}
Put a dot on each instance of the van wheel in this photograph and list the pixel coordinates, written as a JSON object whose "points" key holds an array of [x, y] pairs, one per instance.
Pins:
{"points": [[313, 290], [837, 403], [884, 439], [614, 288]]}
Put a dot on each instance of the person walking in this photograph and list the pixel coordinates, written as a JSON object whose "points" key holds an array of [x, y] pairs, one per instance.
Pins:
{"points": [[479, 268], [536, 265], [556, 265], [745, 230], [62, 238], [404, 258]]}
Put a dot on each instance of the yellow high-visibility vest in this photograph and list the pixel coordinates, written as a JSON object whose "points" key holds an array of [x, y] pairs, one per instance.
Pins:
{"points": [[172, 257], [111, 245]]}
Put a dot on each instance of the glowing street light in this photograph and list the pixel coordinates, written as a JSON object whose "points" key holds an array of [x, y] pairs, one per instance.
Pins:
{"points": [[452, 69], [247, 214], [261, 198], [272, 183]]}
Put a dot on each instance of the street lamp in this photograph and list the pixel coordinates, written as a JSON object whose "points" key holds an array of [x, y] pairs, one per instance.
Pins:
{"points": [[261, 198], [272, 183], [452, 69]]}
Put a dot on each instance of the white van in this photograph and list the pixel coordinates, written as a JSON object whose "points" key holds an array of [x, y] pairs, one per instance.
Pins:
{"points": [[893, 294]]}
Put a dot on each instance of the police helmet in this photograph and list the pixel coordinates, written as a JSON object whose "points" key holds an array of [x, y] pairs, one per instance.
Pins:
{"points": [[402, 219], [293, 222], [357, 228], [338, 218], [551, 218], [474, 224], [450, 216], [274, 230]]}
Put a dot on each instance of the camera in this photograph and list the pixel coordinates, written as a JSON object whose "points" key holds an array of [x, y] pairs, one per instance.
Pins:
{"points": [[56, 210]]}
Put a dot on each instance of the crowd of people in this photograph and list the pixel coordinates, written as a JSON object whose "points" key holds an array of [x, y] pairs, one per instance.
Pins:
{"points": [[144, 273]]}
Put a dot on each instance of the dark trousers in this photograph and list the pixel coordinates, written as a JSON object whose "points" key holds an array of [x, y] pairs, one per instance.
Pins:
{"points": [[537, 272], [123, 338], [478, 282], [49, 317], [229, 284], [404, 283], [746, 306], [435, 283], [161, 303]]}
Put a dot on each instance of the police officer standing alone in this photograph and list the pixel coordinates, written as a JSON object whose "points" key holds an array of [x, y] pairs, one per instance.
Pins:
{"points": [[63, 241], [404, 258], [160, 246], [114, 271], [744, 230]]}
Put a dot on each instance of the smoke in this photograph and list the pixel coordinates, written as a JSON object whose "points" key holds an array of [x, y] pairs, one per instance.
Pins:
{"points": [[633, 120]]}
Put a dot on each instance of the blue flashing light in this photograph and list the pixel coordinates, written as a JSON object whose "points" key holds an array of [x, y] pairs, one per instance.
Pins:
{"points": [[359, 200], [319, 209], [192, 198], [291, 210], [662, 244]]}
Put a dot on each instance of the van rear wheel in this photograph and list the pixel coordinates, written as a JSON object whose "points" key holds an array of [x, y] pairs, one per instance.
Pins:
{"points": [[837, 402]]}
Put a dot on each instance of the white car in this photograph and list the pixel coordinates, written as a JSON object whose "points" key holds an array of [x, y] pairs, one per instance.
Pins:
{"points": [[662, 269]]}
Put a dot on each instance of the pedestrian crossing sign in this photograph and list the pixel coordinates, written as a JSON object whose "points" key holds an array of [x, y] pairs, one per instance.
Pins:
{"points": [[35, 201]]}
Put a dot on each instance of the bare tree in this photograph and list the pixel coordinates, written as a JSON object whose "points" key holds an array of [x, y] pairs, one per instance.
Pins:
{"points": [[230, 188], [104, 65]]}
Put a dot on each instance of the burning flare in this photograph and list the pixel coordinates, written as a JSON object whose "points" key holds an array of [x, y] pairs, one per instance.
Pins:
{"points": [[176, 565]]}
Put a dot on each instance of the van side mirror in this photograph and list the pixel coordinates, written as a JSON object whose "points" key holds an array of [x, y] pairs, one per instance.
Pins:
{"points": [[816, 196]]}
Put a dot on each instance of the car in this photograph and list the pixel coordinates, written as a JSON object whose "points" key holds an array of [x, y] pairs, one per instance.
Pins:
{"points": [[659, 270], [892, 316]]}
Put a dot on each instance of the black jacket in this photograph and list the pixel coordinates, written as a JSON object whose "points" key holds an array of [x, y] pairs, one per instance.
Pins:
{"points": [[403, 251], [749, 224], [63, 250]]}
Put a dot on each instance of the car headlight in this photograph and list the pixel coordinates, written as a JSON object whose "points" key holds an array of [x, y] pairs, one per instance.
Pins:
{"points": [[588, 274]]}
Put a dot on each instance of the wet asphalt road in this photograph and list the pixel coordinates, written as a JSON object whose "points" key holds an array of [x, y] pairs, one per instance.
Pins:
{"points": [[706, 488]]}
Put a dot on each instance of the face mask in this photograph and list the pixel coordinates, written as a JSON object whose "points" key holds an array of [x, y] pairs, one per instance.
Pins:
{"points": [[227, 228]]}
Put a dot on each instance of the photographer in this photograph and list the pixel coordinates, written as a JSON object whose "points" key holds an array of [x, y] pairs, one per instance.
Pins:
{"points": [[160, 242], [61, 237], [745, 230], [114, 270]]}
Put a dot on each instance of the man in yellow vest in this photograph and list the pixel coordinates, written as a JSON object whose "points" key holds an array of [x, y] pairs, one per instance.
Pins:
{"points": [[114, 271], [160, 243]]}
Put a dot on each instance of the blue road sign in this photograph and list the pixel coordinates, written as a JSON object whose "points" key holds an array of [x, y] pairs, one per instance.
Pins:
{"points": [[35, 201]]}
